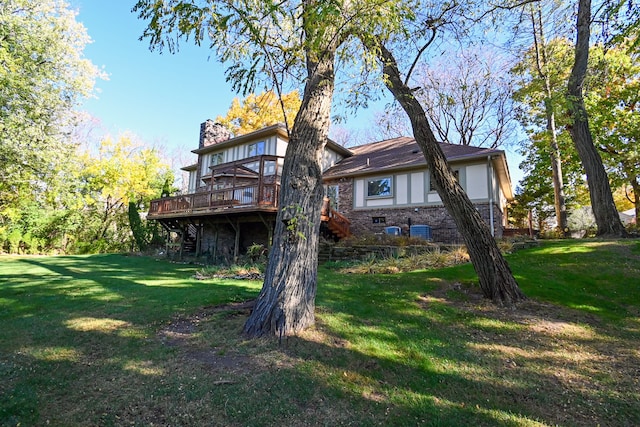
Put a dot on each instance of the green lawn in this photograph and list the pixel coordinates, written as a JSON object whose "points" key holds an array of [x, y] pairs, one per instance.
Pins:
{"points": [[122, 340]]}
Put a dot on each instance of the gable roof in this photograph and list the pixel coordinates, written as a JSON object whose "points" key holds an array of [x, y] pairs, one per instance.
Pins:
{"points": [[404, 153], [278, 129]]}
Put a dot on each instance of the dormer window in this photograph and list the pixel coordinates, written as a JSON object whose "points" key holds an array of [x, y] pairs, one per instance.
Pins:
{"points": [[255, 149]]}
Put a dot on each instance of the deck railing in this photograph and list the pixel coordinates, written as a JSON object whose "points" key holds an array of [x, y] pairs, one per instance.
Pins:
{"points": [[259, 195], [336, 220]]}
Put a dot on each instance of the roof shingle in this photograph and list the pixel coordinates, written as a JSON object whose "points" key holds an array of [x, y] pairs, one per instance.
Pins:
{"points": [[398, 153]]}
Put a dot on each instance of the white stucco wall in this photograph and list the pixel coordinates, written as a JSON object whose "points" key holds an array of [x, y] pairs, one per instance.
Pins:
{"points": [[418, 182], [412, 189], [476, 181], [402, 189]]}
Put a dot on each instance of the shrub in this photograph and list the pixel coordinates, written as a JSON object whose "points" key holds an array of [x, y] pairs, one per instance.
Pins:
{"points": [[257, 252], [435, 258]]}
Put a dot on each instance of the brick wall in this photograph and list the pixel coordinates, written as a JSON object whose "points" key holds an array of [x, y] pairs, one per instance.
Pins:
{"points": [[443, 228]]}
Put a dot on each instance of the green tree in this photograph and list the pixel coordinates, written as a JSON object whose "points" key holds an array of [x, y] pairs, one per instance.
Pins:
{"points": [[298, 41], [123, 171], [604, 208], [546, 73], [612, 101], [309, 33], [551, 161], [138, 229], [42, 76]]}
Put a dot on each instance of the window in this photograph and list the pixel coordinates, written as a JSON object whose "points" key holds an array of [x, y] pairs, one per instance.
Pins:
{"points": [[432, 185], [379, 219], [332, 191], [380, 187], [255, 149], [216, 159]]}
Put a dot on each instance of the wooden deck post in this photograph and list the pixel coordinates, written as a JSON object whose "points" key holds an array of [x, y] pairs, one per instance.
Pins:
{"points": [[236, 248]]}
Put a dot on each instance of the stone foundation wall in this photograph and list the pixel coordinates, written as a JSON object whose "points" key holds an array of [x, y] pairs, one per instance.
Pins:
{"points": [[224, 243]]}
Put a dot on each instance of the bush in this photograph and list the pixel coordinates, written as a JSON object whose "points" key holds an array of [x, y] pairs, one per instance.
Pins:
{"points": [[435, 258], [257, 253], [99, 246]]}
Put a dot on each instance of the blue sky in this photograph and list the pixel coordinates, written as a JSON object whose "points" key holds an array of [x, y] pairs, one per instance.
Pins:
{"points": [[163, 98]]}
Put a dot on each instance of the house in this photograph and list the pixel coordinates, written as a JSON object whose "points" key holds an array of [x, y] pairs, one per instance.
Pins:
{"points": [[387, 183], [628, 217], [232, 197], [233, 191]]}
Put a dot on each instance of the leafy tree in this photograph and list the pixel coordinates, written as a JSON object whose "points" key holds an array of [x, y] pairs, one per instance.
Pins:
{"points": [[545, 57], [621, 22], [613, 102], [604, 209], [316, 32], [42, 76], [123, 171], [542, 73], [258, 111], [610, 101], [137, 228], [299, 41], [262, 40]]}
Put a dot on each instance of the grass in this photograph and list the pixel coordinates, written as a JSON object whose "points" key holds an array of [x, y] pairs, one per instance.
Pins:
{"points": [[116, 340]]}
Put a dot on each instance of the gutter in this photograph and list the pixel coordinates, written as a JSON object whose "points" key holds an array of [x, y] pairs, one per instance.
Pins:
{"points": [[490, 179]]}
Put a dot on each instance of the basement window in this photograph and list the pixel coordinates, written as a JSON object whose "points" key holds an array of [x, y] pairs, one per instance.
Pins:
{"points": [[379, 219]]}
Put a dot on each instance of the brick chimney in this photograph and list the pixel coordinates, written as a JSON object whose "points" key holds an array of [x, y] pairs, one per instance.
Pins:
{"points": [[212, 133]]}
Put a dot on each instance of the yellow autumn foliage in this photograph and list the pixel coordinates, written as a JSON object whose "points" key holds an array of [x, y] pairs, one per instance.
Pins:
{"points": [[258, 111]]}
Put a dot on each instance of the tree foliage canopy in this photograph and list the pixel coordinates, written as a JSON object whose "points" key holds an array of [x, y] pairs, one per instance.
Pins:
{"points": [[42, 76], [255, 112], [611, 100]]}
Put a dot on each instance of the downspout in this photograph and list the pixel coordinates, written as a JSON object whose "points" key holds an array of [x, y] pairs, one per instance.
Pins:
{"points": [[493, 234]]}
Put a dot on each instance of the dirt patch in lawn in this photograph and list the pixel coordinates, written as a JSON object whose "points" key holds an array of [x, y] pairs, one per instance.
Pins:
{"points": [[185, 333]]}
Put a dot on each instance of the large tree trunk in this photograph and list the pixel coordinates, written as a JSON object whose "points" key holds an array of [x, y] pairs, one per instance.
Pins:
{"points": [[287, 300], [635, 188], [495, 277], [604, 209]]}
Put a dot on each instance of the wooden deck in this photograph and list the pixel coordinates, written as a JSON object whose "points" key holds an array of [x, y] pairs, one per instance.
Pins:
{"points": [[259, 197]]}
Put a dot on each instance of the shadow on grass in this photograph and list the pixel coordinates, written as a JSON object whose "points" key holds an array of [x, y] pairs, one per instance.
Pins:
{"points": [[388, 350], [538, 363], [78, 333]]}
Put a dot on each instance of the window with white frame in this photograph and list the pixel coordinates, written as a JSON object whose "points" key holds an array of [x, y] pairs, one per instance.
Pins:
{"points": [[255, 149], [380, 187]]}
